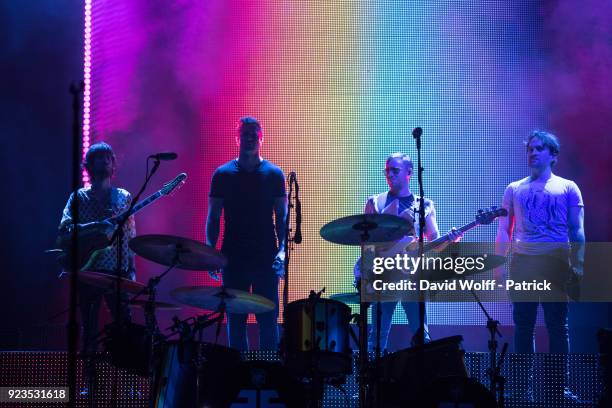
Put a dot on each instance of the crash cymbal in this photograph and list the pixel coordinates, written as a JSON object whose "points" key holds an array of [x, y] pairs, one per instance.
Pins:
{"points": [[376, 228], [184, 252], [141, 303], [209, 298], [107, 281]]}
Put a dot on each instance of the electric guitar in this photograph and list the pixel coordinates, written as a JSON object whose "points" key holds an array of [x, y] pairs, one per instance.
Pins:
{"points": [[96, 237], [406, 244]]}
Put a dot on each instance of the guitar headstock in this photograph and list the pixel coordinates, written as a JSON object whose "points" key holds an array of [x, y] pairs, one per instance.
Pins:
{"points": [[487, 215], [170, 186]]}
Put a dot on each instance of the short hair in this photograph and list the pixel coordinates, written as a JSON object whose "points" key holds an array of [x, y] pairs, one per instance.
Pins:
{"points": [[549, 140], [406, 160], [247, 123], [98, 149]]}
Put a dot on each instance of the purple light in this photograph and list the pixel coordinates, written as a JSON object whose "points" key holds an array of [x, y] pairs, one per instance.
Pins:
{"points": [[87, 83]]}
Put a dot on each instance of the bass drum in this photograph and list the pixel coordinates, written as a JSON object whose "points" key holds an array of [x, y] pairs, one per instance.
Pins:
{"points": [[456, 392], [193, 372], [316, 338], [261, 384]]}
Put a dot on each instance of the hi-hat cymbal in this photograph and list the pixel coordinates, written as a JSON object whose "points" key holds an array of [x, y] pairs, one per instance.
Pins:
{"points": [[107, 281], [365, 228], [210, 298], [184, 253], [142, 303]]}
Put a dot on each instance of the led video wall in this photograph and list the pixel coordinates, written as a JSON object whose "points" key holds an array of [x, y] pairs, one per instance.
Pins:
{"points": [[337, 86]]}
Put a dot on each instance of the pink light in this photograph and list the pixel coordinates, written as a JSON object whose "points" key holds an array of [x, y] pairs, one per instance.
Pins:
{"points": [[87, 87]]}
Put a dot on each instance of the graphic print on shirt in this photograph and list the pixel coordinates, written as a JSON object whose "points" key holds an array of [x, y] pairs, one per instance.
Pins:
{"points": [[542, 211]]}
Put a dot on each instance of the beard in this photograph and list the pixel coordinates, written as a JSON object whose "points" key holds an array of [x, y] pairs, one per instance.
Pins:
{"points": [[101, 174]]}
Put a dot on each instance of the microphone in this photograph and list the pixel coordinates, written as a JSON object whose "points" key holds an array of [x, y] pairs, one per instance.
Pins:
{"points": [[298, 212], [164, 156], [417, 132]]}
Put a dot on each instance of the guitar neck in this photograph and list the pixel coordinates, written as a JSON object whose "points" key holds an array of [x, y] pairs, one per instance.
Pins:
{"points": [[444, 238], [139, 206]]}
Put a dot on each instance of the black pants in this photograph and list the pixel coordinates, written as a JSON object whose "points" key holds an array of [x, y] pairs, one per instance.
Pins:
{"points": [[89, 304]]}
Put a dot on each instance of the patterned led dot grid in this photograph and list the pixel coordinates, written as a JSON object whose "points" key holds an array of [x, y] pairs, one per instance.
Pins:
{"points": [[50, 369], [337, 86]]}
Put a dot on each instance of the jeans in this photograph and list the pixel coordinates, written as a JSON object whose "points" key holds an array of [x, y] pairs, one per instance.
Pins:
{"points": [[555, 306], [256, 274], [555, 317], [387, 308], [554, 303]]}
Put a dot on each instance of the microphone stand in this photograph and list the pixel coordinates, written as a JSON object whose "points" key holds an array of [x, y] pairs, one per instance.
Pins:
{"points": [[288, 249], [290, 241], [117, 238], [73, 329], [118, 235], [419, 337], [497, 381]]}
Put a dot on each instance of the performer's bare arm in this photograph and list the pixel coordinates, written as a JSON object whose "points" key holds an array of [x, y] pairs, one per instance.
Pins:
{"points": [[504, 231], [213, 222], [505, 227], [577, 238], [280, 215]]}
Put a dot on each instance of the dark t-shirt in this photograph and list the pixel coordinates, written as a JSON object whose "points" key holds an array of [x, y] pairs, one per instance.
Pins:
{"points": [[248, 204]]}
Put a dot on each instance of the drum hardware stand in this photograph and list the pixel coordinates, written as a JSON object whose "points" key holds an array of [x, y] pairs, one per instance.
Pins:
{"points": [[152, 328], [497, 381], [364, 227], [316, 382], [355, 317], [221, 309]]}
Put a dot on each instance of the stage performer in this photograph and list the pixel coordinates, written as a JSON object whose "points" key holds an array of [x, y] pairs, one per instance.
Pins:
{"points": [[96, 203], [249, 191], [400, 201], [544, 231]]}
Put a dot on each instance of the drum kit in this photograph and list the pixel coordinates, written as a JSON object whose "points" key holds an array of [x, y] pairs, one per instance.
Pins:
{"points": [[315, 347]]}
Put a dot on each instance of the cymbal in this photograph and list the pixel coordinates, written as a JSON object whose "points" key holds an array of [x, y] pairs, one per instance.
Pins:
{"points": [[186, 253], [377, 228], [209, 298], [141, 303], [106, 281]]}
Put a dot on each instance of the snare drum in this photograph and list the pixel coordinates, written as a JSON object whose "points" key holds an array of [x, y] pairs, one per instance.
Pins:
{"points": [[316, 338]]}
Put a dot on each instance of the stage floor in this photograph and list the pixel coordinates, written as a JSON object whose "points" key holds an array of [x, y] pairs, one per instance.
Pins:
{"points": [[48, 369]]}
